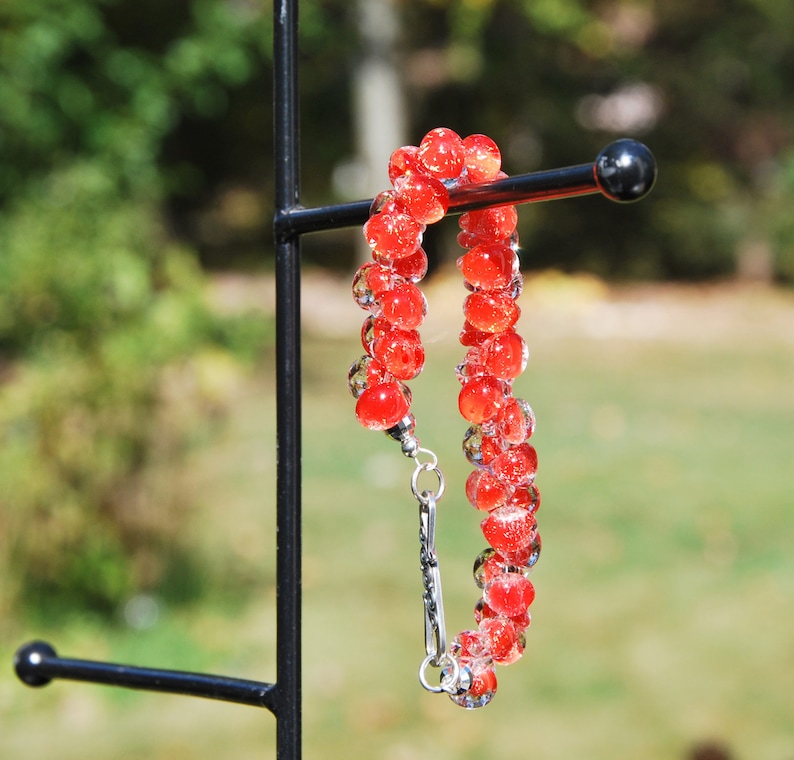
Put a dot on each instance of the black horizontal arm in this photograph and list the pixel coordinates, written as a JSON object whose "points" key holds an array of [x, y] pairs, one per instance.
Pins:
{"points": [[625, 171], [37, 664]]}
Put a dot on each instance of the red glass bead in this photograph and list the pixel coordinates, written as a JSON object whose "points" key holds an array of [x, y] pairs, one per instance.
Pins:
{"points": [[509, 529], [404, 306], [470, 366], [393, 235], [364, 373], [373, 328], [504, 640], [505, 356], [400, 352], [482, 612], [486, 492], [402, 161], [384, 203], [480, 399], [517, 465], [441, 153], [527, 557], [526, 497], [515, 421], [482, 687], [488, 564], [491, 312], [413, 267], [481, 449], [468, 240], [491, 224], [509, 594], [469, 336], [489, 266], [468, 644], [481, 157], [369, 282], [424, 198], [382, 406]]}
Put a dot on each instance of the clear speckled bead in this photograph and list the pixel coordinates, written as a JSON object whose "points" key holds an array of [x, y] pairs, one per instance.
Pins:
{"points": [[482, 689], [363, 373]]}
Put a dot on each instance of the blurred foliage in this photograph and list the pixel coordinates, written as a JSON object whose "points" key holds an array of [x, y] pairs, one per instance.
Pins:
{"points": [[112, 364], [111, 361], [703, 84]]}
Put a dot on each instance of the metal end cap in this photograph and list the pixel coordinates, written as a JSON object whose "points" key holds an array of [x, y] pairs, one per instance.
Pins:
{"points": [[625, 171]]}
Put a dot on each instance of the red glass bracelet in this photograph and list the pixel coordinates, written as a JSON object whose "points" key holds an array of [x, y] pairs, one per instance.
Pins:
{"points": [[502, 483]]}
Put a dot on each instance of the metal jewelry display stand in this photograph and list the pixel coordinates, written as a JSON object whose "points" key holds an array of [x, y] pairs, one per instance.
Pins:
{"points": [[624, 171]]}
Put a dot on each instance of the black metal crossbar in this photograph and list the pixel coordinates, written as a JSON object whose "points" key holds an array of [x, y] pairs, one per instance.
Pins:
{"points": [[624, 171], [37, 664]]}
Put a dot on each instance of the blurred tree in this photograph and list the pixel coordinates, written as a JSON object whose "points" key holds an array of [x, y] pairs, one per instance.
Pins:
{"points": [[111, 361], [702, 84]]}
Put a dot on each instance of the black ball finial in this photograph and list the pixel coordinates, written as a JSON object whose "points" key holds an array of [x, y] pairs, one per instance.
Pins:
{"points": [[625, 171], [28, 658]]}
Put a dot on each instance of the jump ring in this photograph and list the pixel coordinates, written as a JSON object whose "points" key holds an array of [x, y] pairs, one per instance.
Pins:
{"points": [[449, 680], [422, 496]]}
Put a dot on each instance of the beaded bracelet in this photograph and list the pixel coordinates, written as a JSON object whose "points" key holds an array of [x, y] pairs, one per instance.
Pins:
{"points": [[502, 483]]}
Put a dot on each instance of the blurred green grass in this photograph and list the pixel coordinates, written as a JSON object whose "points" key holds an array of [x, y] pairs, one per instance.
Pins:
{"points": [[665, 609]]}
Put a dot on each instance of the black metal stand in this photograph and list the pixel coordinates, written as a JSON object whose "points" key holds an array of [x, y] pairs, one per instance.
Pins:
{"points": [[624, 171]]}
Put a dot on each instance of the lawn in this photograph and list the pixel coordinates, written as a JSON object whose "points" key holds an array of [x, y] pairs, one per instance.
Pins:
{"points": [[665, 609]]}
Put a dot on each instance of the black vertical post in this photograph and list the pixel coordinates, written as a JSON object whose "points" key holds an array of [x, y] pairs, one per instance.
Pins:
{"points": [[288, 379]]}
